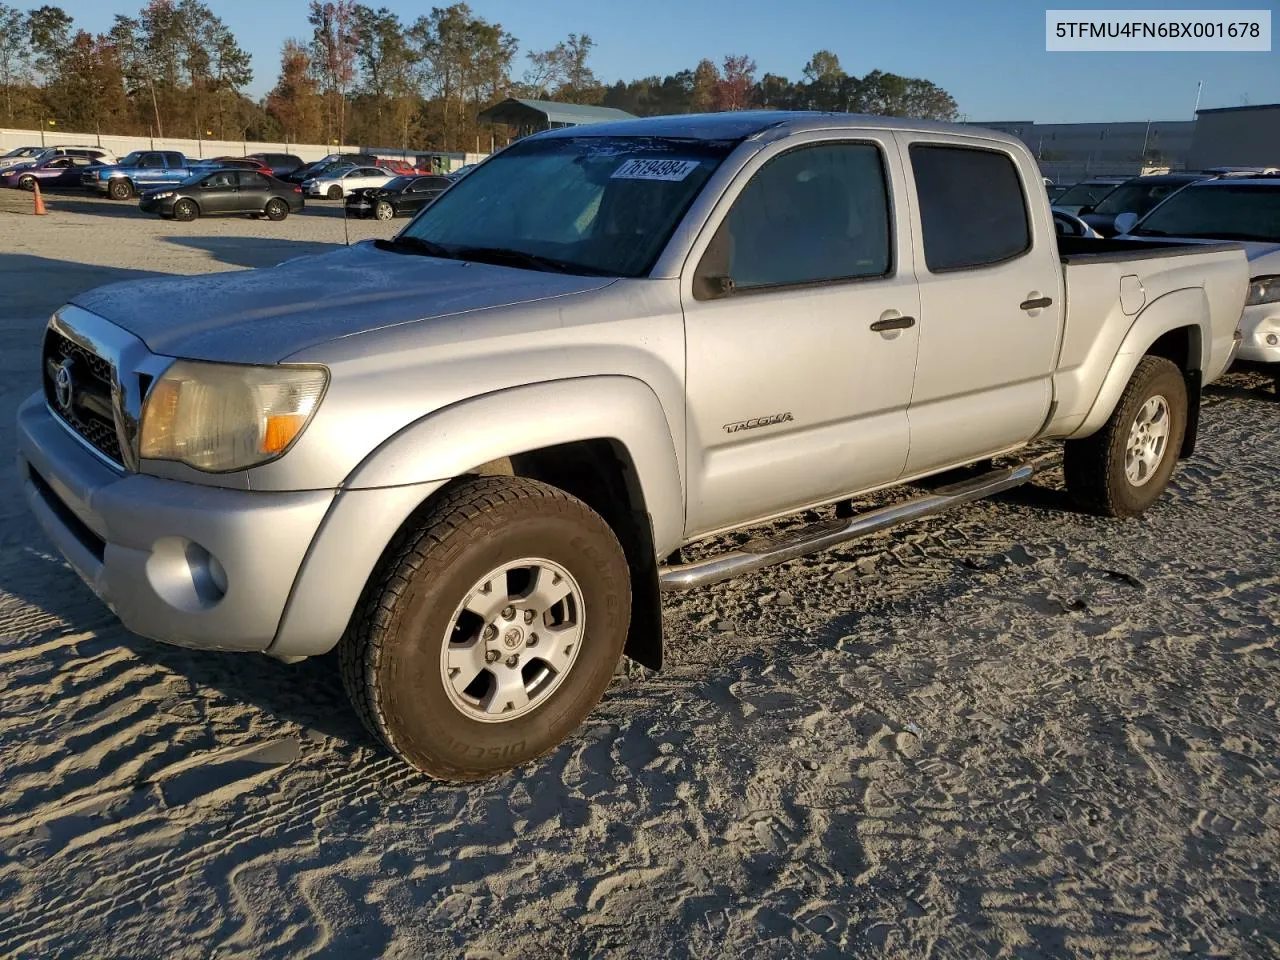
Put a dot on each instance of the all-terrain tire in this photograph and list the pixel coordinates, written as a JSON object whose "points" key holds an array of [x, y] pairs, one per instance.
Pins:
{"points": [[1094, 466], [391, 655]]}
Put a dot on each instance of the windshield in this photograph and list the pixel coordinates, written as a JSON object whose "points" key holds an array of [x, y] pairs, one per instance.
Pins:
{"points": [[603, 205], [1217, 212], [131, 160], [1137, 197], [24, 152], [1085, 194], [398, 183]]}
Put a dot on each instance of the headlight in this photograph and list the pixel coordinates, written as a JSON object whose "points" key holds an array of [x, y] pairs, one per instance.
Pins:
{"points": [[220, 417], [1263, 290], [165, 195]]}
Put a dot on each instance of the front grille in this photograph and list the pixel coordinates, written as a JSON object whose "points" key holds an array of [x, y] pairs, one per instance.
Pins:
{"points": [[90, 411]]}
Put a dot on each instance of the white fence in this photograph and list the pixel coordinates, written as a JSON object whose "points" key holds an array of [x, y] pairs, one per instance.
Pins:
{"points": [[205, 148]]}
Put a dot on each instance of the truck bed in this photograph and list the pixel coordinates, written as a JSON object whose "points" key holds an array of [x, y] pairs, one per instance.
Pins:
{"points": [[1111, 250]]}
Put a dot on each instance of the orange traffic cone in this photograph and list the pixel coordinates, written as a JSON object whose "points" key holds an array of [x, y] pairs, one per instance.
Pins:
{"points": [[40, 210]]}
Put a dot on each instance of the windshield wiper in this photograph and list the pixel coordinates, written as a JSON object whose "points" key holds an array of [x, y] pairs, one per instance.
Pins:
{"points": [[537, 261], [410, 244]]}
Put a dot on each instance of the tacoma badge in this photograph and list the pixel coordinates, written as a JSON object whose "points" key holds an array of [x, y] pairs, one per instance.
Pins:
{"points": [[768, 421]]}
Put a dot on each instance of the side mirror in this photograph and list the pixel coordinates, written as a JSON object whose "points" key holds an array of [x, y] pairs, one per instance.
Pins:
{"points": [[1125, 222], [711, 287]]}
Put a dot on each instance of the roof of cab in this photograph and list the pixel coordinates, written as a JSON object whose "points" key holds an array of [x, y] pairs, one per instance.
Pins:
{"points": [[741, 124]]}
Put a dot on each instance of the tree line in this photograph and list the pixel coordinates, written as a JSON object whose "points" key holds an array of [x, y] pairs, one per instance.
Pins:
{"points": [[362, 75]]}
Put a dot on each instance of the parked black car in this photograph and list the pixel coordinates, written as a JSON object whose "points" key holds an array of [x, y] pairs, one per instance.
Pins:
{"points": [[332, 162], [1138, 195], [280, 163], [225, 191], [401, 197]]}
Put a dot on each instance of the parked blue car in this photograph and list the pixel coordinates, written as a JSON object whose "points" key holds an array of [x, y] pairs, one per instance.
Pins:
{"points": [[139, 171]]}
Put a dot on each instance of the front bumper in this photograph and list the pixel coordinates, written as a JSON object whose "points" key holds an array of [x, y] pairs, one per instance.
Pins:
{"points": [[1257, 324], [192, 565], [163, 207]]}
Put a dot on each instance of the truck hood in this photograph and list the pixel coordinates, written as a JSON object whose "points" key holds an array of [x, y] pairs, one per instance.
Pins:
{"points": [[266, 315]]}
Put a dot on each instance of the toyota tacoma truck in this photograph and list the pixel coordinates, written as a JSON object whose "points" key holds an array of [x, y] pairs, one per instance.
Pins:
{"points": [[466, 459]]}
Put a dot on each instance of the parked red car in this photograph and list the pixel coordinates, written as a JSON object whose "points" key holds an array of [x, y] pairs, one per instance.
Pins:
{"points": [[398, 167]]}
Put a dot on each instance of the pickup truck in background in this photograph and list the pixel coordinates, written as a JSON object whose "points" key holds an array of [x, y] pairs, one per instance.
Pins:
{"points": [[468, 457], [138, 171]]}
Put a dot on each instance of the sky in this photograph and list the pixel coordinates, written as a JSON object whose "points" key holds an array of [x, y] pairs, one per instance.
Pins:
{"points": [[988, 54]]}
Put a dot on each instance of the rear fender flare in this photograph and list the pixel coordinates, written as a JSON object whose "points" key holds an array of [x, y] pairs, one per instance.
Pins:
{"points": [[1180, 308]]}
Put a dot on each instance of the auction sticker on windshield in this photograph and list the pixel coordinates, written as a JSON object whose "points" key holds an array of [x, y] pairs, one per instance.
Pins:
{"points": [[655, 170]]}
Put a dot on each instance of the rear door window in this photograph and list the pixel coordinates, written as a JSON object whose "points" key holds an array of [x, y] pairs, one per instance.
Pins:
{"points": [[251, 181], [973, 212]]}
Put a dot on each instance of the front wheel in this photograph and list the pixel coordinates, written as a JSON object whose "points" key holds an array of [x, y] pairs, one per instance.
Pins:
{"points": [[185, 210], [1123, 469], [384, 210], [335, 192], [488, 633], [277, 209], [27, 183], [120, 189]]}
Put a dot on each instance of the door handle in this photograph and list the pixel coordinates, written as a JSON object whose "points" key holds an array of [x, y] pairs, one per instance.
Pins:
{"points": [[893, 323], [1036, 304]]}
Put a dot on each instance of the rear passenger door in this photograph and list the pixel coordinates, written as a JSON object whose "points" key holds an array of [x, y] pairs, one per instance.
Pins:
{"points": [[254, 191], [990, 302]]}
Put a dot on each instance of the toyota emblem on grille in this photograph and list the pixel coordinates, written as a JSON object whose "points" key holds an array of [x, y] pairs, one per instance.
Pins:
{"points": [[64, 385]]}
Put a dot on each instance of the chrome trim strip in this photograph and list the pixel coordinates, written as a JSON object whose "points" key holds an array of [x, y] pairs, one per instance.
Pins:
{"points": [[71, 432], [820, 536], [128, 357]]}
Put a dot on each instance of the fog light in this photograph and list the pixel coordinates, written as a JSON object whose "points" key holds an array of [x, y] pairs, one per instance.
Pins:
{"points": [[185, 575]]}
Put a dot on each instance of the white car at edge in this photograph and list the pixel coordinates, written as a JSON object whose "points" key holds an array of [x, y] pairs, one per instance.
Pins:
{"points": [[1233, 208]]}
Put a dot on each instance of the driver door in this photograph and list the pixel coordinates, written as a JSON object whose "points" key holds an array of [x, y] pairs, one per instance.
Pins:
{"points": [[800, 333], [218, 193]]}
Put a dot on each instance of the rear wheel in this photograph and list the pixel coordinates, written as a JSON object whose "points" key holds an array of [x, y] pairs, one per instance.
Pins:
{"points": [[276, 209], [1124, 468], [489, 633], [185, 210], [120, 189], [335, 192]]}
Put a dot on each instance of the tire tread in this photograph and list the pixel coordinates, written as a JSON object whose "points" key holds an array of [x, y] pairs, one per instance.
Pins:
{"points": [[417, 546]]}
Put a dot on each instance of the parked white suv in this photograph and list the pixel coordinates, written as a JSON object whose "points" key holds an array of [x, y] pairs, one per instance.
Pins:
{"points": [[1243, 209], [60, 150], [340, 184]]}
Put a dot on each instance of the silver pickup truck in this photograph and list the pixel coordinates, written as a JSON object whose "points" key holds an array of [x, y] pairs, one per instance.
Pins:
{"points": [[468, 457]]}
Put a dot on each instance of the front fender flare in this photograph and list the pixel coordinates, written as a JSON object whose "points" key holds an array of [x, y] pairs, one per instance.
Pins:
{"points": [[458, 438], [406, 469]]}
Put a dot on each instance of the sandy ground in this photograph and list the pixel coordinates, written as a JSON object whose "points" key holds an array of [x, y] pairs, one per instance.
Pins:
{"points": [[1014, 731]]}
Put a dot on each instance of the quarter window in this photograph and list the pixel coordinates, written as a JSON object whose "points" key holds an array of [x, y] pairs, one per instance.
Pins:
{"points": [[813, 214], [972, 209]]}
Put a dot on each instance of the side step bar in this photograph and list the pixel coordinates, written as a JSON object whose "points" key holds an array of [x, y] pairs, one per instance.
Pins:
{"points": [[820, 536]]}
